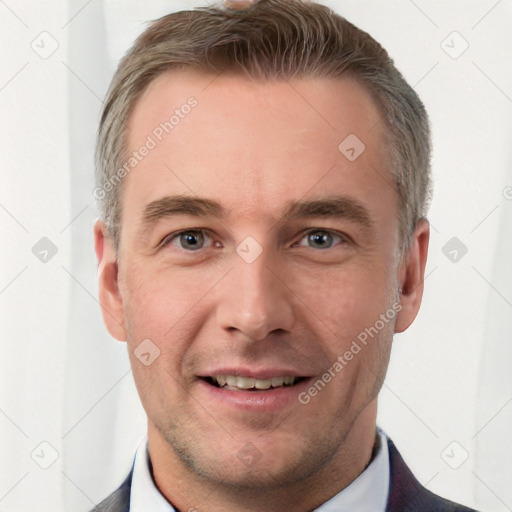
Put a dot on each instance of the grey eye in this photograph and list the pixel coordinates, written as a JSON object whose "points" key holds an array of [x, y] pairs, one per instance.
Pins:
{"points": [[320, 239], [193, 240]]}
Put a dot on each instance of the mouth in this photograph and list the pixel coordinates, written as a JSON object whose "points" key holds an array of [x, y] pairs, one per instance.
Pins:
{"points": [[242, 383], [247, 391]]}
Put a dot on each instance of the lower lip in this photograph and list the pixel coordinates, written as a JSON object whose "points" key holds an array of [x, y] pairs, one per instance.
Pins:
{"points": [[268, 400]]}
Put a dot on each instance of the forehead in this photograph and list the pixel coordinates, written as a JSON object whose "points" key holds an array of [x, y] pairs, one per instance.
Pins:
{"points": [[254, 145]]}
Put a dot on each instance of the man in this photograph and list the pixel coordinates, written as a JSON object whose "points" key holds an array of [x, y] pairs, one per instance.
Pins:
{"points": [[281, 143]]}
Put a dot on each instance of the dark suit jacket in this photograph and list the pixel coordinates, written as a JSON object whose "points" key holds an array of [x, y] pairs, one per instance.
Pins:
{"points": [[406, 494]]}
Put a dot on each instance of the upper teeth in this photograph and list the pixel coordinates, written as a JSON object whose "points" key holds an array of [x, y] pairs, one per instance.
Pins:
{"points": [[238, 382]]}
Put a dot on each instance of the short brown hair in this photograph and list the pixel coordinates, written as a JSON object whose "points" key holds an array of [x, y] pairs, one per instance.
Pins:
{"points": [[278, 39]]}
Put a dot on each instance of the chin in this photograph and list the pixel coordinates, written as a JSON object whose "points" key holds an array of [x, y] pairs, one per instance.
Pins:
{"points": [[264, 463], [246, 457], [263, 474]]}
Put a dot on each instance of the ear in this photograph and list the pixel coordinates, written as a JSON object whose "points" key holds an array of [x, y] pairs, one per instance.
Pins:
{"points": [[111, 301], [411, 273]]}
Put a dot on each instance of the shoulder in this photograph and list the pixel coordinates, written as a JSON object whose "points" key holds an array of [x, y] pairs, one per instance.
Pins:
{"points": [[119, 500], [406, 494]]}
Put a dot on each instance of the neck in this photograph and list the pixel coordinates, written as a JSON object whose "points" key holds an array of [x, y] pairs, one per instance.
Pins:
{"points": [[188, 492]]}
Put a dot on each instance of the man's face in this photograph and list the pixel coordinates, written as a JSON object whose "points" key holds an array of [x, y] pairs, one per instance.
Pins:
{"points": [[254, 293]]}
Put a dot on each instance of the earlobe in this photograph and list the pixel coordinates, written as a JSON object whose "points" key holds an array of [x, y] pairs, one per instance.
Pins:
{"points": [[110, 297], [411, 275]]}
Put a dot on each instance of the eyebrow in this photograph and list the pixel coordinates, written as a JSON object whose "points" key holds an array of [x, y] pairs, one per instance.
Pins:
{"points": [[336, 207]]}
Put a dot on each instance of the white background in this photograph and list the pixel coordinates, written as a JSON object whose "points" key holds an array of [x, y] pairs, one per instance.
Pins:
{"points": [[65, 382]]}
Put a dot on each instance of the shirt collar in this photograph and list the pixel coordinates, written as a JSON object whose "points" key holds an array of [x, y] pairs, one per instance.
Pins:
{"points": [[144, 494], [367, 493]]}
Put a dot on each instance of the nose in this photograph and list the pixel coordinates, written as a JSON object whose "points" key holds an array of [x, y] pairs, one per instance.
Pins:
{"points": [[254, 300]]}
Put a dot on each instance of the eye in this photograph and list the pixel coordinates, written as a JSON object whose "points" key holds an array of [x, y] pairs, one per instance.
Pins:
{"points": [[321, 239], [190, 240]]}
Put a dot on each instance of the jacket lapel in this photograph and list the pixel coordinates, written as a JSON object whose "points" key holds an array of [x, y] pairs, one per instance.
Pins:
{"points": [[406, 494], [119, 500]]}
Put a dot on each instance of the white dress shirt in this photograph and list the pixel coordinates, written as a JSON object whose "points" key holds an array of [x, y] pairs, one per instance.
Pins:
{"points": [[367, 493]]}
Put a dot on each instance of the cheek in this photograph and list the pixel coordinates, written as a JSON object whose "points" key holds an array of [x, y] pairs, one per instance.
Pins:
{"points": [[149, 308], [152, 300], [346, 301], [164, 307], [157, 318]]}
